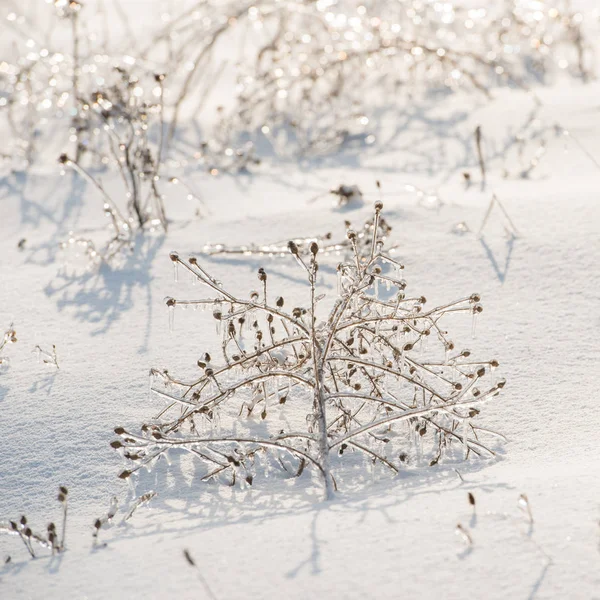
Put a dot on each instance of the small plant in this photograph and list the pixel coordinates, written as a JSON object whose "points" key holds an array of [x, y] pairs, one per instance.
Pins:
{"points": [[48, 358], [378, 379], [9, 337], [51, 540]]}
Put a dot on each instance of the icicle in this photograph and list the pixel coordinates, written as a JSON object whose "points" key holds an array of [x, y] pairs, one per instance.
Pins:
{"points": [[176, 271], [474, 324], [376, 287], [171, 319]]}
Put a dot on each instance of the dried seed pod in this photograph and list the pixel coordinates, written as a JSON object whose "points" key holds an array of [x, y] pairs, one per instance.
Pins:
{"points": [[293, 248]]}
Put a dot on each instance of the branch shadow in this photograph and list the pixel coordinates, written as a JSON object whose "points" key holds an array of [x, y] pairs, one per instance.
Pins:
{"points": [[101, 296], [500, 271]]}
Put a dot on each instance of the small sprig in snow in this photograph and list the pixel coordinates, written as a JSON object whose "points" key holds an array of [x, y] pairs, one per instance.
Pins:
{"points": [[9, 337], [355, 384]]}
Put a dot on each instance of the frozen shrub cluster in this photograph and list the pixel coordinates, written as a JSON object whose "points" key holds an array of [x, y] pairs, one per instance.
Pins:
{"points": [[355, 384], [308, 78], [116, 126], [316, 72]]}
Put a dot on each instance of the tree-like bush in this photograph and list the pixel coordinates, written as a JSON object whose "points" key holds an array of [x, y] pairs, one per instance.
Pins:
{"points": [[358, 383]]}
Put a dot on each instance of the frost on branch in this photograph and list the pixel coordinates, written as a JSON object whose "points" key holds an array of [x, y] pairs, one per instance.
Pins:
{"points": [[293, 391]]}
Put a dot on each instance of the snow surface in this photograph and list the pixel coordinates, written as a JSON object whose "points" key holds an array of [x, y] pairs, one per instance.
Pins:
{"points": [[386, 538]]}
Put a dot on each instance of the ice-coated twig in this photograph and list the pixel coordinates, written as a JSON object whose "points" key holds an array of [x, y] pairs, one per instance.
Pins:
{"points": [[190, 560], [464, 535], [523, 504], [512, 230], [143, 499], [327, 243]]}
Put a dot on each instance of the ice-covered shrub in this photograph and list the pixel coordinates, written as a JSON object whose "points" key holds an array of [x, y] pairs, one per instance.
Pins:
{"points": [[356, 384]]}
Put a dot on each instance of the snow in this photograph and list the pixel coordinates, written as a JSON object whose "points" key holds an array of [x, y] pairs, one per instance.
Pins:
{"points": [[381, 538]]}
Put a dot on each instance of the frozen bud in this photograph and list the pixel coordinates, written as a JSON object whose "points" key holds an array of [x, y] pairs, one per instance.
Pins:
{"points": [[28, 532], [254, 296], [124, 474], [297, 312], [293, 248], [494, 363], [97, 524], [450, 346], [378, 204], [501, 383], [407, 347], [475, 298], [473, 412], [217, 314], [119, 430], [13, 525], [159, 77], [63, 490], [170, 301], [61, 498], [471, 499], [314, 248], [481, 372], [279, 302], [63, 159], [377, 270], [422, 300], [477, 308], [23, 520], [262, 275], [351, 234], [116, 444], [206, 357], [174, 256], [465, 353], [193, 260], [249, 479], [476, 392], [157, 435], [269, 318], [458, 386]]}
